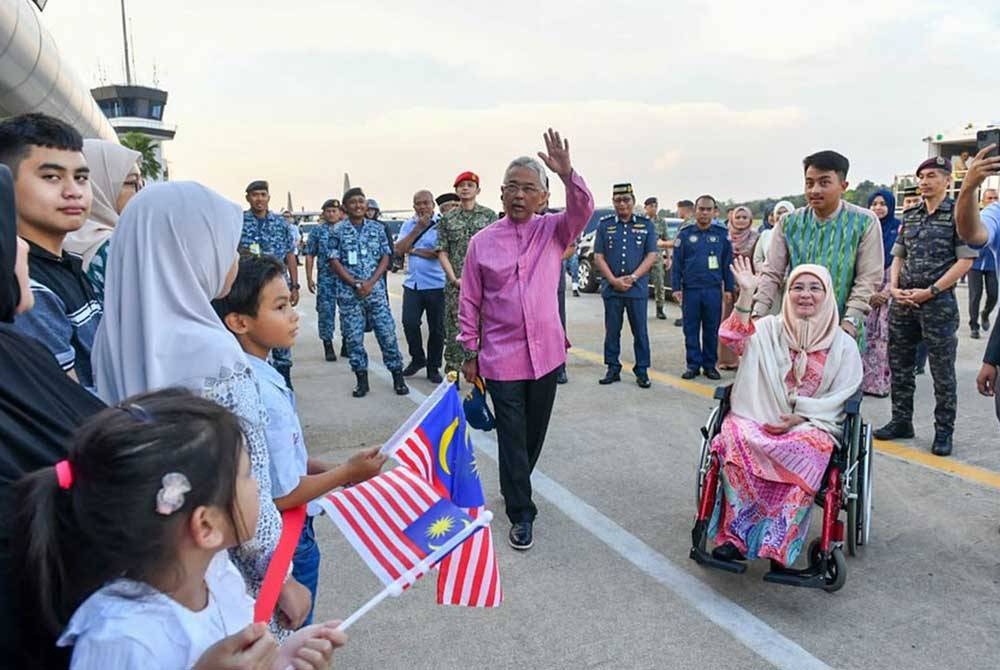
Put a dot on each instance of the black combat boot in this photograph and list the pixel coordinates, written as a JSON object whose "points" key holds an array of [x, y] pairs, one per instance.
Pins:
{"points": [[894, 430], [942, 444], [399, 384], [660, 314], [343, 348], [328, 351], [361, 390]]}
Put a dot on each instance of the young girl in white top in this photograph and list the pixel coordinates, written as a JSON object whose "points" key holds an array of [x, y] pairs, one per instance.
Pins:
{"points": [[124, 543]]}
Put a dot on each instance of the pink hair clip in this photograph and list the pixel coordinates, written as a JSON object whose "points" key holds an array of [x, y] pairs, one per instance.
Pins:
{"points": [[170, 497]]}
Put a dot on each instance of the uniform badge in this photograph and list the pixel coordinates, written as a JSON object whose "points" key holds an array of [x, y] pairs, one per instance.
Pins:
{"points": [[712, 238], [693, 239]]}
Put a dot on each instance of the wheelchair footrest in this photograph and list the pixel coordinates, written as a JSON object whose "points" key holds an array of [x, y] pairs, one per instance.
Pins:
{"points": [[810, 578], [703, 557]]}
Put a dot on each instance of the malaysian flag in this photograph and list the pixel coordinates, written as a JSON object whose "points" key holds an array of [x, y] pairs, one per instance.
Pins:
{"points": [[396, 522], [436, 444]]}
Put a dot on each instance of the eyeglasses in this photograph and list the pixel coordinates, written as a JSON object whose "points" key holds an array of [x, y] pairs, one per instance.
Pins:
{"points": [[135, 183], [527, 189]]}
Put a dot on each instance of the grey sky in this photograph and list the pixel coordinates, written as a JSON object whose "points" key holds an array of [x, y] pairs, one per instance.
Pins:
{"points": [[679, 98]]}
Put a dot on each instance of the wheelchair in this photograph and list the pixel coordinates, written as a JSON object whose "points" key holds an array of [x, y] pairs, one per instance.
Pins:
{"points": [[847, 486]]}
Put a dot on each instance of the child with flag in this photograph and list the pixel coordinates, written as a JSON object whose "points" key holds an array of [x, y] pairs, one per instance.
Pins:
{"points": [[259, 312]]}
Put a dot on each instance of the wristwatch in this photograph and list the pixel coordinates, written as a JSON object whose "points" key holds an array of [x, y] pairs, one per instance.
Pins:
{"points": [[634, 278], [935, 291], [854, 321]]}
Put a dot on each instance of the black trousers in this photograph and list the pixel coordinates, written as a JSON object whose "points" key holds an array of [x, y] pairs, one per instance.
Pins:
{"points": [[522, 410], [976, 280], [415, 304]]}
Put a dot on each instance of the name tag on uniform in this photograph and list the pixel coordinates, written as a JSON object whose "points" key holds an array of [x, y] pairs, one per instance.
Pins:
{"points": [[352, 257], [255, 249], [713, 262]]}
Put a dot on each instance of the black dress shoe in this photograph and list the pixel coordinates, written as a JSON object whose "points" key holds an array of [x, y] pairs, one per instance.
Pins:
{"points": [[728, 552], [561, 378], [678, 322], [713, 374], [985, 322], [413, 368], [520, 536], [610, 377], [942, 444], [642, 381], [974, 334], [576, 293], [433, 376], [894, 430], [689, 374]]}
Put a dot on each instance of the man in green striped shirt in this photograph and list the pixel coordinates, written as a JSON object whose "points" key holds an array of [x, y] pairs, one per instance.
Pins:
{"points": [[844, 238]]}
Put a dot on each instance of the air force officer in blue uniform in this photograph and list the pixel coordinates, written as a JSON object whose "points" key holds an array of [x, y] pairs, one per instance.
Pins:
{"points": [[701, 272], [624, 252]]}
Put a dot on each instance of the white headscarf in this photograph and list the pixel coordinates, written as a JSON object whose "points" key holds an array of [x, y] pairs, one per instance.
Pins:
{"points": [[174, 246], [109, 165]]}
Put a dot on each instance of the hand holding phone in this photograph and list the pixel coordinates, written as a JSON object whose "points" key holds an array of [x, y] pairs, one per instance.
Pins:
{"points": [[986, 138]]}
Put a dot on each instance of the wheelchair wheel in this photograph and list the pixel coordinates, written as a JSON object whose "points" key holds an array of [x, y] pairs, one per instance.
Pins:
{"points": [[865, 488], [836, 567], [707, 432], [851, 482]]}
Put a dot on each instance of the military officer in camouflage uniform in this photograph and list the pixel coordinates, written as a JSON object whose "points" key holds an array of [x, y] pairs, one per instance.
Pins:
{"points": [[267, 233], [454, 232], [657, 274], [325, 284], [360, 255], [929, 260]]}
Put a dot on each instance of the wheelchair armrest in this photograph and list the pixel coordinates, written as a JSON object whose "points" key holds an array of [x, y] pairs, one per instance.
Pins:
{"points": [[723, 392], [853, 406]]}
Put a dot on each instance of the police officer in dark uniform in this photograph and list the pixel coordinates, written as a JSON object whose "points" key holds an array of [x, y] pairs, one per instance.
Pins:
{"points": [[701, 272], [929, 260], [624, 252]]}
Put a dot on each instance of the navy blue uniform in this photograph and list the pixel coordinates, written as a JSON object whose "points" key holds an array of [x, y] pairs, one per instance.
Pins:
{"points": [[701, 271], [625, 246]]}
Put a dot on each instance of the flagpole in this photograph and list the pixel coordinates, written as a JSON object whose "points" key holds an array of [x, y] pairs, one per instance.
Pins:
{"points": [[394, 442], [396, 588]]}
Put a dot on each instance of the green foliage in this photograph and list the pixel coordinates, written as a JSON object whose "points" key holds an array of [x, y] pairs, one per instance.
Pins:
{"points": [[149, 166]]}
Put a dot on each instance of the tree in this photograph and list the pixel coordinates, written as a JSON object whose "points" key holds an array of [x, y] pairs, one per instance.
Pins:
{"points": [[149, 166]]}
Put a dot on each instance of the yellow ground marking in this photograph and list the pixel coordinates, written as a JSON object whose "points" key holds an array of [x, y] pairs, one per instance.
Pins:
{"points": [[941, 464]]}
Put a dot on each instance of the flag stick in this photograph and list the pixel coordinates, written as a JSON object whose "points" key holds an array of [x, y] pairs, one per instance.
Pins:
{"points": [[394, 442], [396, 588]]}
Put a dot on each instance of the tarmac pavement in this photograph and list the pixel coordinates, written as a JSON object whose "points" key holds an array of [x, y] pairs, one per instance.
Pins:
{"points": [[609, 583]]}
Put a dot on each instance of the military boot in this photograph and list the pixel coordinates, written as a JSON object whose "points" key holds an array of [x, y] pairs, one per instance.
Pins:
{"points": [[361, 390], [399, 384], [328, 351], [660, 314], [894, 430], [942, 444]]}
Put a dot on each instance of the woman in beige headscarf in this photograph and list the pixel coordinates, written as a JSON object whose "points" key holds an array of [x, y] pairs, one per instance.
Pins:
{"points": [[115, 178], [743, 238], [797, 373]]}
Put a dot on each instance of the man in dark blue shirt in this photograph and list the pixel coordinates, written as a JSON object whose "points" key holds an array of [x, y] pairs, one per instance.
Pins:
{"points": [[624, 252], [701, 272]]}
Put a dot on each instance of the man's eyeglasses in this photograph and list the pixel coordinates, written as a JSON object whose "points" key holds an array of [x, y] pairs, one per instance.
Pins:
{"points": [[527, 189]]}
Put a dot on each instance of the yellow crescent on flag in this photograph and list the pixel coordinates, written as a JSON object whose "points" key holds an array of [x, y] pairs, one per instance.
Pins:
{"points": [[446, 438]]}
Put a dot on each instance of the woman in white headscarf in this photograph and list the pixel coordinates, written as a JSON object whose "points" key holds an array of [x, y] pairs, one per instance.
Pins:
{"points": [[175, 250], [797, 373], [115, 178]]}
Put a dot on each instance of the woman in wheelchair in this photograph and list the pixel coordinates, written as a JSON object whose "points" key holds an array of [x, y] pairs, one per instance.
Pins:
{"points": [[798, 370]]}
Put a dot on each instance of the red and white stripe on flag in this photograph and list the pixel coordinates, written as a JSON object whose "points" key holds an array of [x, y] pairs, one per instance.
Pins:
{"points": [[469, 576], [372, 516]]}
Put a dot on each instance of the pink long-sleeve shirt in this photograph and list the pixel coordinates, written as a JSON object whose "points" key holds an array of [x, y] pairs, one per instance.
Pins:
{"points": [[508, 307]]}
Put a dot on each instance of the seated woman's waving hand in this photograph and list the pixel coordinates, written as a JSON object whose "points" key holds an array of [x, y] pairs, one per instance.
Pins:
{"points": [[797, 373]]}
